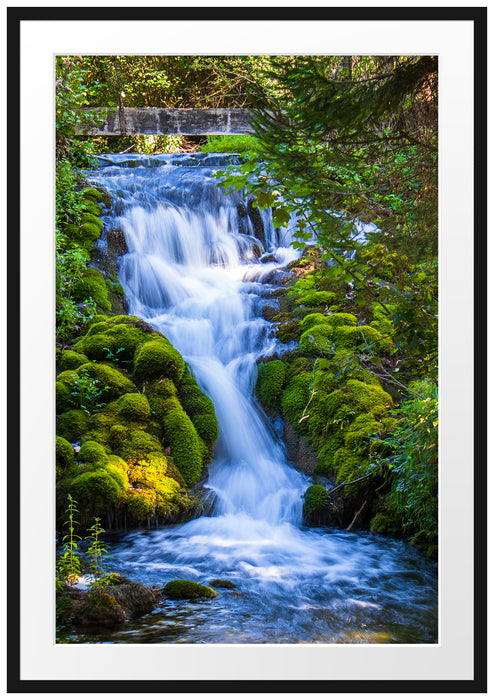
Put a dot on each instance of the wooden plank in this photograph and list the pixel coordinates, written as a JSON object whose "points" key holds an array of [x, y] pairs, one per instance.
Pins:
{"points": [[162, 121]]}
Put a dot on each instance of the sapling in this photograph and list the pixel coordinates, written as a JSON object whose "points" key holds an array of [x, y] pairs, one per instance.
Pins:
{"points": [[69, 566], [96, 552]]}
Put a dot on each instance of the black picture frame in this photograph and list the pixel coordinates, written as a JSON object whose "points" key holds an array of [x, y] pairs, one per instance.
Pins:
{"points": [[15, 17]]}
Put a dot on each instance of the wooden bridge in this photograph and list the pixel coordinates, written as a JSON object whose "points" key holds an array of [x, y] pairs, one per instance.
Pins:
{"points": [[162, 121]]}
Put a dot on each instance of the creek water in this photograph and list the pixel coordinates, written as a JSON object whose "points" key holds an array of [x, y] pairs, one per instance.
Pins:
{"points": [[193, 270]]}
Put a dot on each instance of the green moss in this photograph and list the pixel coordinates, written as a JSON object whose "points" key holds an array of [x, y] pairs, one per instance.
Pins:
{"points": [[138, 445], [64, 454], [141, 504], [63, 397], [71, 360], [341, 319], [295, 398], [96, 491], [157, 359], [91, 207], [315, 499], [370, 398], [68, 377], [91, 451], [158, 392], [117, 436], [187, 590], [222, 583], [350, 467], [96, 195], [326, 456], [314, 299], [345, 337], [270, 382], [72, 425], [312, 320], [288, 331], [185, 445], [93, 285], [112, 382], [364, 429], [317, 340], [433, 551], [206, 426], [383, 524], [134, 407]]}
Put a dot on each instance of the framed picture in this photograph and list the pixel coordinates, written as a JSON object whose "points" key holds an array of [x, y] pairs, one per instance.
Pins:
{"points": [[312, 605]]}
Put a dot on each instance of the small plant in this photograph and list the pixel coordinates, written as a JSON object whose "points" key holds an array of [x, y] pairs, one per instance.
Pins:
{"points": [[86, 392], [69, 566], [96, 552]]}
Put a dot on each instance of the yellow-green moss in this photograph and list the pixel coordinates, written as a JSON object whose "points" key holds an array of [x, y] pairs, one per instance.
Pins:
{"points": [[138, 445], [312, 320], [341, 319], [92, 285], [141, 504], [315, 299]]}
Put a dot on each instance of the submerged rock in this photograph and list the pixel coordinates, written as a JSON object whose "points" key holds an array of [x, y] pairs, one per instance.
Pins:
{"points": [[134, 598], [179, 589]]}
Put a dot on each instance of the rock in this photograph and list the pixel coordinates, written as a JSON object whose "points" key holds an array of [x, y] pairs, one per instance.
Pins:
{"points": [[221, 583], [134, 598], [187, 590], [93, 608], [115, 240], [269, 311], [298, 450]]}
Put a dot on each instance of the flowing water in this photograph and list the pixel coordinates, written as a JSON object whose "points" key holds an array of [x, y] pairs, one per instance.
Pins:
{"points": [[193, 271]]}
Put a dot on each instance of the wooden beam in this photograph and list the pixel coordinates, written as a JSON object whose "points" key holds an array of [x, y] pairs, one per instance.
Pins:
{"points": [[160, 121]]}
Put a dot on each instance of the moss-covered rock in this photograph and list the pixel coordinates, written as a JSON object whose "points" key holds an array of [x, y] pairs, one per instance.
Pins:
{"points": [[141, 504], [93, 286], [157, 359], [316, 505], [187, 590], [314, 298], [91, 452], [64, 454], [187, 449], [295, 398], [138, 445], [96, 491], [270, 382], [63, 397], [71, 360], [134, 598], [223, 583], [318, 340], [134, 407], [111, 381], [72, 425]]}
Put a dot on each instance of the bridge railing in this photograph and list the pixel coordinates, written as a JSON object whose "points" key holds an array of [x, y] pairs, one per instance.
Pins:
{"points": [[164, 121]]}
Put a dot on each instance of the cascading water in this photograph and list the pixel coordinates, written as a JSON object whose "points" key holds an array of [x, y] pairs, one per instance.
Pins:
{"points": [[193, 272]]}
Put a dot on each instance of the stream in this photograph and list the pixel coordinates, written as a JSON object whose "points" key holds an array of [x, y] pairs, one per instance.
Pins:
{"points": [[200, 268]]}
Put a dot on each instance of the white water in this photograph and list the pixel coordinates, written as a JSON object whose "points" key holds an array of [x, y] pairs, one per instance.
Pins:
{"points": [[192, 272]]}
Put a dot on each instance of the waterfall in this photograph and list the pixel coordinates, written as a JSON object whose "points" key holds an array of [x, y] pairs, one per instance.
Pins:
{"points": [[194, 270]]}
